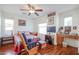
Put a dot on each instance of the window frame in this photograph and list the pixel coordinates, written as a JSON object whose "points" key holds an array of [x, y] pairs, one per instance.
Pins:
{"points": [[44, 26], [9, 25], [65, 22]]}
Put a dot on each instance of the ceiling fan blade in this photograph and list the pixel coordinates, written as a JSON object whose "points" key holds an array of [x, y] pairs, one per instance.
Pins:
{"points": [[24, 10], [33, 7], [29, 14], [37, 14], [39, 10], [29, 5]]}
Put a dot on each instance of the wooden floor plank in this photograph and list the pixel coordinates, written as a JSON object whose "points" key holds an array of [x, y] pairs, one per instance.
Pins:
{"points": [[48, 50]]}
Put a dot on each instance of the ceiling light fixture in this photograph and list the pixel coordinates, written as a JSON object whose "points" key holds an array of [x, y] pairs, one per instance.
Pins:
{"points": [[31, 11]]}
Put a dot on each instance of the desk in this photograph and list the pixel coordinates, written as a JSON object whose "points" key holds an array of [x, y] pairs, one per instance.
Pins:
{"points": [[61, 37], [71, 40], [49, 39]]}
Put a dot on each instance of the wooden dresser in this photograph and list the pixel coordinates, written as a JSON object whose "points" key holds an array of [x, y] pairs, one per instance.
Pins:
{"points": [[60, 38]]}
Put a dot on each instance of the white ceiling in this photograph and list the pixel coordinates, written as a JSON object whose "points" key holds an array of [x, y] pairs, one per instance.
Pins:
{"points": [[47, 8]]}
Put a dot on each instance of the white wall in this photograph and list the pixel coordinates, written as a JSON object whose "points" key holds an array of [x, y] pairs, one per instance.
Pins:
{"points": [[75, 18], [5, 15], [59, 19], [75, 22], [38, 21], [0, 23], [44, 19]]}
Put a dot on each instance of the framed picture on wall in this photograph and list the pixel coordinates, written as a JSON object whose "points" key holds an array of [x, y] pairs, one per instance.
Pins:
{"points": [[51, 17], [67, 29], [51, 20], [74, 27], [21, 22]]}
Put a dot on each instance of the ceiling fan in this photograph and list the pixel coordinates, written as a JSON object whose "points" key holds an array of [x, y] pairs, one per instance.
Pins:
{"points": [[32, 10]]}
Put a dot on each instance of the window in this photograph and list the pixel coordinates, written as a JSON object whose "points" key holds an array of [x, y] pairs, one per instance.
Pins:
{"points": [[68, 21], [43, 28], [9, 24]]}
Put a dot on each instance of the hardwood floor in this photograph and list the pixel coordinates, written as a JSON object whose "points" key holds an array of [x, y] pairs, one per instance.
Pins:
{"points": [[48, 50], [6, 48], [58, 50]]}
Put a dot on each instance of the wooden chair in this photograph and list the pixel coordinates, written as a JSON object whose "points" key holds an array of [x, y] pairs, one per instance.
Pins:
{"points": [[32, 51]]}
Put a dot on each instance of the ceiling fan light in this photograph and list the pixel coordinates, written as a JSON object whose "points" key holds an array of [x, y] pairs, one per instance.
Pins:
{"points": [[31, 11]]}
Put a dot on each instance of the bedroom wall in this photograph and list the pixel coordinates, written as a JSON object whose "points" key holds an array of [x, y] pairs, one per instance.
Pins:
{"points": [[38, 21], [0, 23], [75, 18], [75, 22], [44, 19], [5, 15], [59, 21]]}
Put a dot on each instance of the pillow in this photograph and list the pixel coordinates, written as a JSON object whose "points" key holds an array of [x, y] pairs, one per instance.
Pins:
{"points": [[35, 37], [29, 36], [35, 34], [35, 40], [27, 33]]}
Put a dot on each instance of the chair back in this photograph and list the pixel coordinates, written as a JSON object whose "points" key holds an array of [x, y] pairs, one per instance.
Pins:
{"points": [[22, 40], [31, 51], [25, 38]]}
